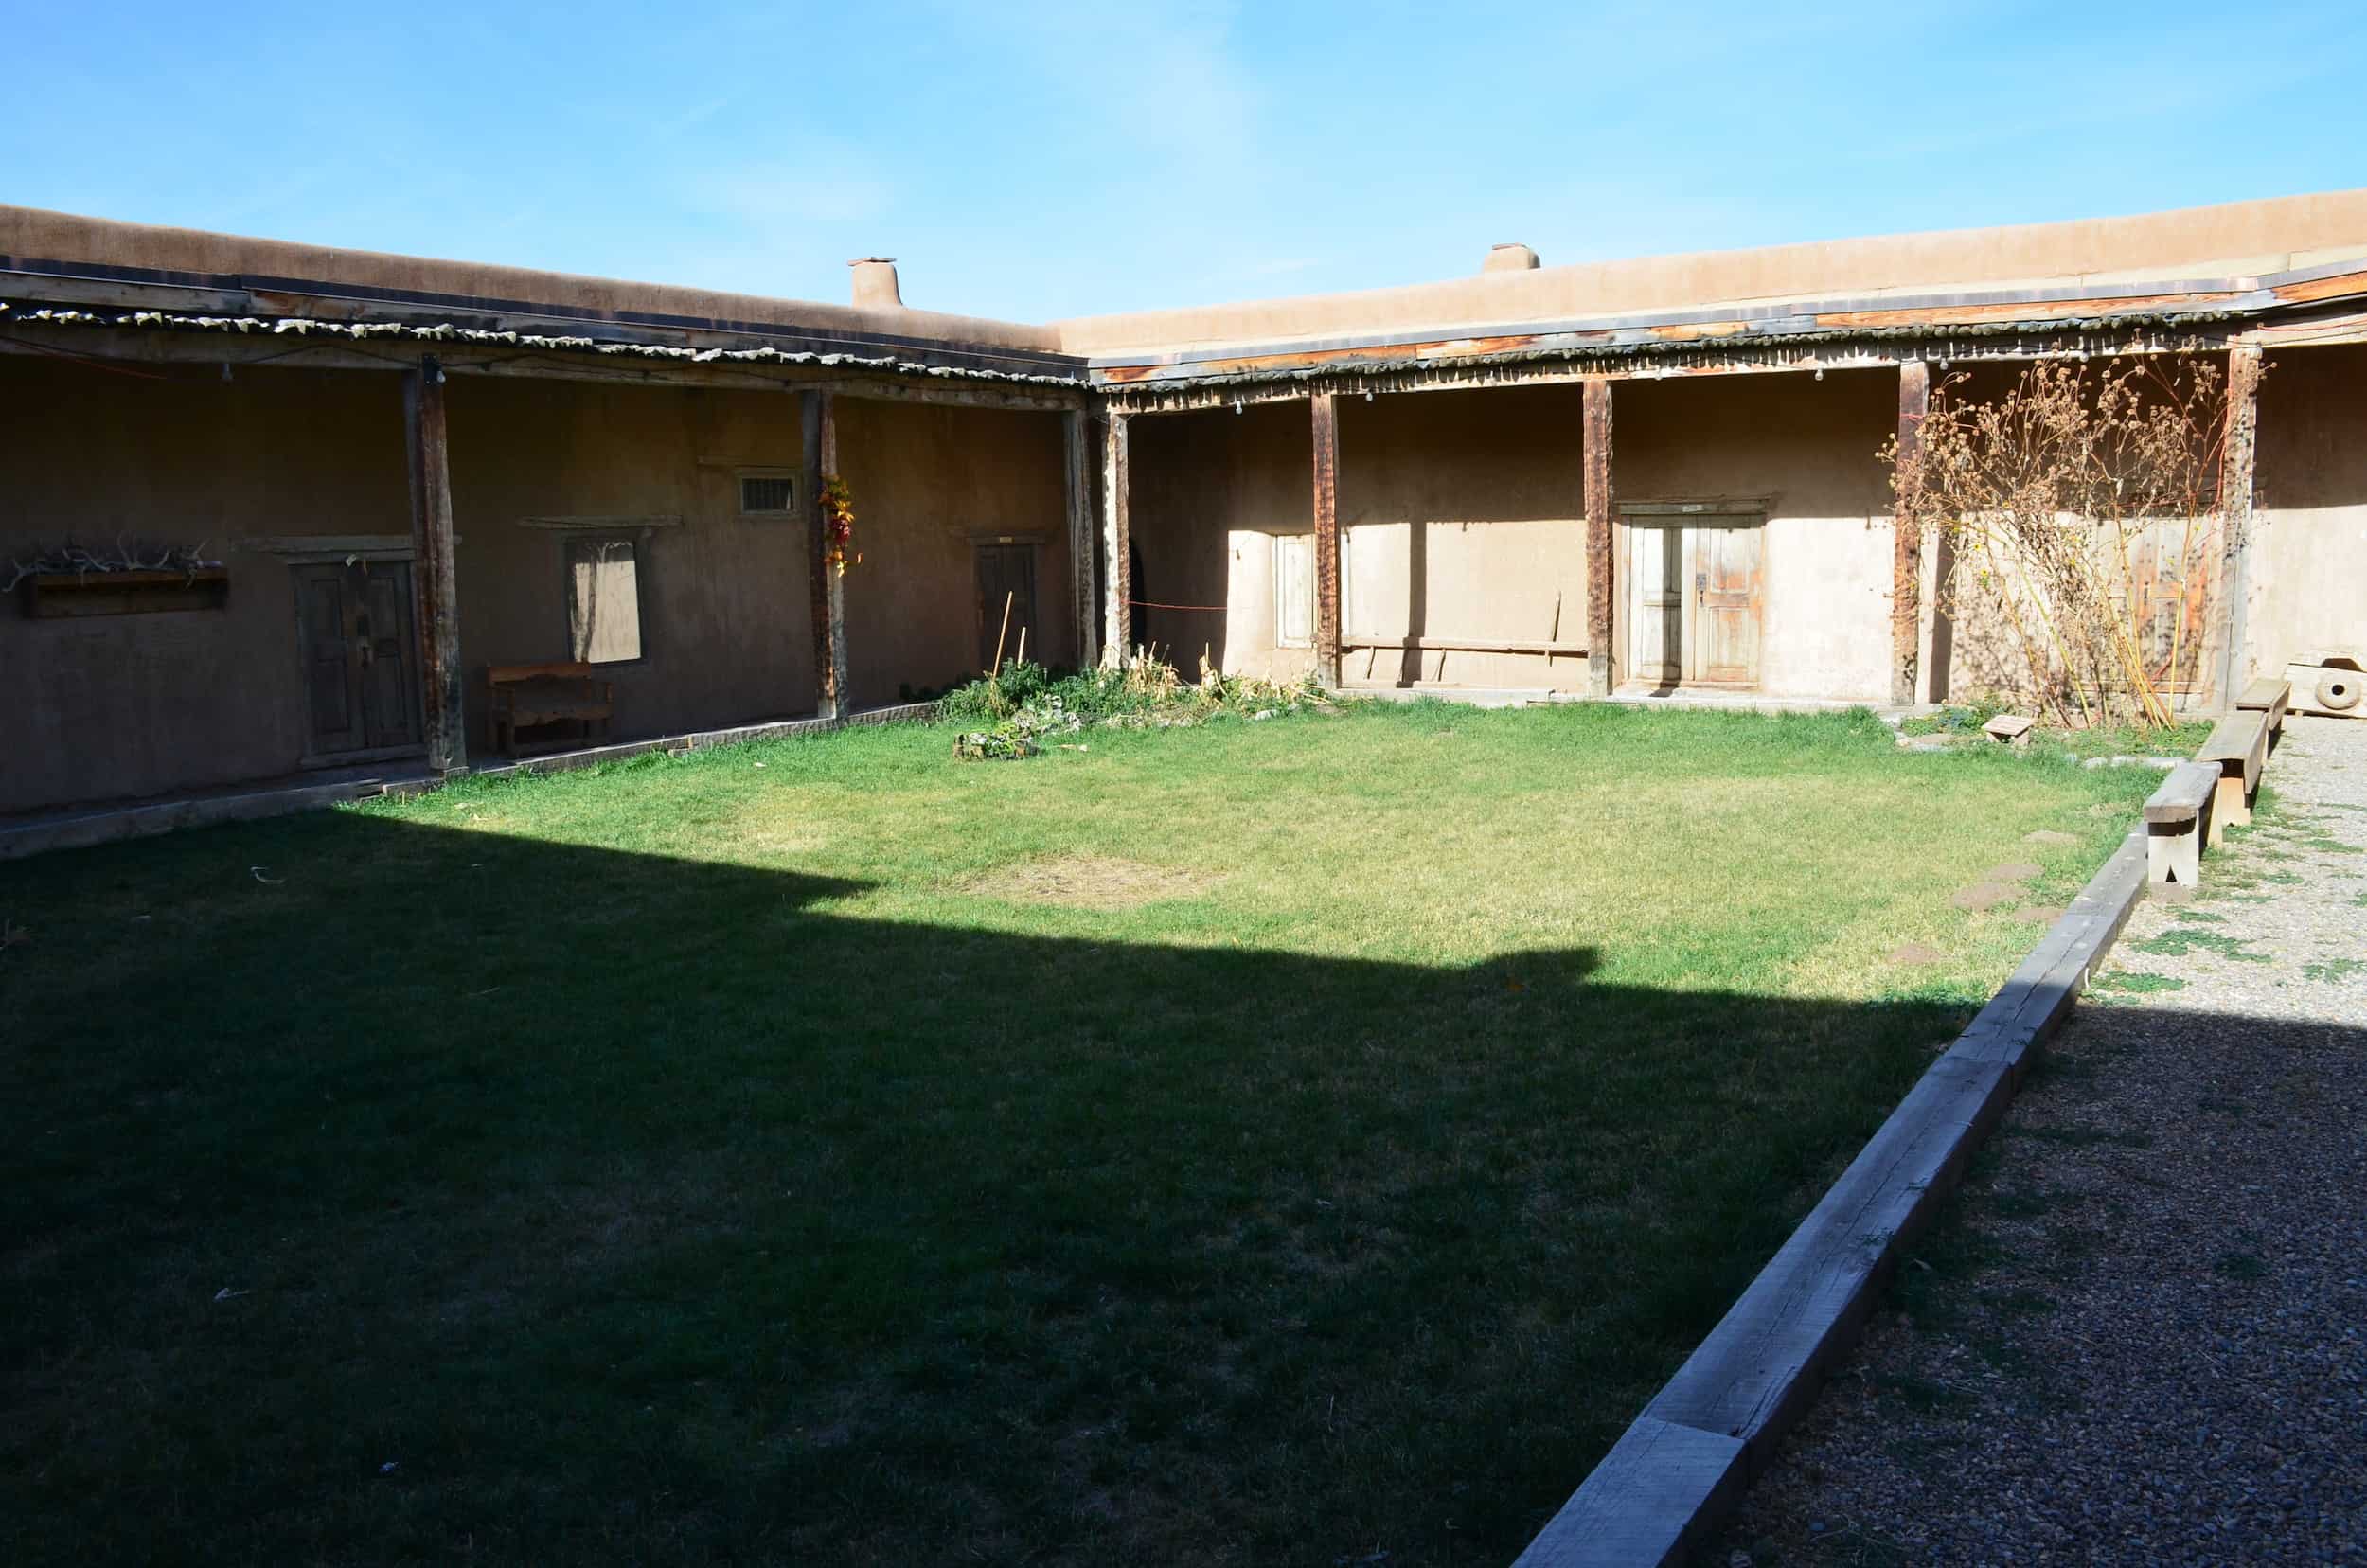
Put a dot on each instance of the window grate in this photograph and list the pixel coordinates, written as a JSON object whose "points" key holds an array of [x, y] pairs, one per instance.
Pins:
{"points": [[767, 493]]}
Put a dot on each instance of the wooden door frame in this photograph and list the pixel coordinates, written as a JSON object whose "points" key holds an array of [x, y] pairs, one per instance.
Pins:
{"points": [[296, 559], [1031, 543], [1710, 511]]}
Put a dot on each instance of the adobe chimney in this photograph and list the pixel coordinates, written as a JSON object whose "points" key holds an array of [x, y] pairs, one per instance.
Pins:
{"points": [[874, 282], [1509, 259]]}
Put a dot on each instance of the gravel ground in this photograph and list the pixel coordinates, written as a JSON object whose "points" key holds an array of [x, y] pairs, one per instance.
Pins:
{"points": [[2141, 1335]]}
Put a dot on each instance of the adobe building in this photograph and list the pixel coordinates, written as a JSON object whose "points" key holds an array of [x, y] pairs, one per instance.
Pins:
{"points": [[374, 482]]}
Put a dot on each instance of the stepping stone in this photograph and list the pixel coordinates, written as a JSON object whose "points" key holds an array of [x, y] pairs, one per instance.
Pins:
{"points": [[1925, 742], [1985, 896], [2015, 872], [1915, 952], [2039, 913], [2049, 836]]}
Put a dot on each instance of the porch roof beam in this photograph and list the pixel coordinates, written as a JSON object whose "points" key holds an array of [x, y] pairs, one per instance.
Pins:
{"points": [[134, 347]]}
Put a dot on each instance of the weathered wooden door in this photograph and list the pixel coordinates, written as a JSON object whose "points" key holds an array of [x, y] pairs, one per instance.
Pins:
{"points": [[2170, 579], [1658, 615], [1694, 605], [1006, 574], [361, 683], [1725, 646]]}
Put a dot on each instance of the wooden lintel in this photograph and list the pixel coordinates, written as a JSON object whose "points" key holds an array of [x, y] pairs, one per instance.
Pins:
{"points": [[1077, 490], [1915, 402], [1600, 509], [1116, 619], [1324, 420], [434, 573]]}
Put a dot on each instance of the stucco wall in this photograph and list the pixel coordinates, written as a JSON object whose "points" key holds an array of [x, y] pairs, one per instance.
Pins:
{"points": [[106, 706], [1461, 515], [2235, 239], [2309, 548], [1810, 447], [929, 483], [726, 632], [1472, 495], [1208, 494]]}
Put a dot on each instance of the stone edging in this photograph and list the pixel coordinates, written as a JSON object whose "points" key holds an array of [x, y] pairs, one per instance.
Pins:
{"points": [[1714, 1426]]}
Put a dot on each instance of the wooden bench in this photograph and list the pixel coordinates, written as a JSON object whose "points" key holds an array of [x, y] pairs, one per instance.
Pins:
{"points": [[2267, 695], [2238, 744], [528, 696], [2178, 818]]}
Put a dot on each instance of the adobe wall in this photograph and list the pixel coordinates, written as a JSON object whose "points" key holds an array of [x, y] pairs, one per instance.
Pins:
{"points": [[31, 234], [1461, 515], [1810, 447], [108, 706], [929, 485], [1477, 497], [725, 618], [2309, 544], [1208, 492], [2235, 239]]}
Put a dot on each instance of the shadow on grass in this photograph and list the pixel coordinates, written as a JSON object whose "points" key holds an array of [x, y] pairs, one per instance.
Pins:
{"points": [[424, 1192]]}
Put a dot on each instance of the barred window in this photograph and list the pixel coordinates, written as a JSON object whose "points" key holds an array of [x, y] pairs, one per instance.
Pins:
{"points": [[767, 494]]}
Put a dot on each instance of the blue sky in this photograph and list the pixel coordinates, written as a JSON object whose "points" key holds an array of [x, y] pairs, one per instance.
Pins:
{"points": [[1035, 161]]}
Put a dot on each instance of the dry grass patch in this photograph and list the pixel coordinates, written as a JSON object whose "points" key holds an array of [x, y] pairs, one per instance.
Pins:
{"points": [[1091, 881]]}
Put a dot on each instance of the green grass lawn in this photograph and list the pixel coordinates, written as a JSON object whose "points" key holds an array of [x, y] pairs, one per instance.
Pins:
{"points": [[1264, 1143]]}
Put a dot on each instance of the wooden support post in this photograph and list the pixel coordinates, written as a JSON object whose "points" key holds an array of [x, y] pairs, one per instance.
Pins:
{"points": [[1599, 571], [1915, 400], [825, 592], [433, 568], [1074, 432], [2235, 503], [1117, 623], [1325, 418]]}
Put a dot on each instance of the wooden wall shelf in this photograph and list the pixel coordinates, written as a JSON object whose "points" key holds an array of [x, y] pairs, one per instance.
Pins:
{"points": [[51, 595]]}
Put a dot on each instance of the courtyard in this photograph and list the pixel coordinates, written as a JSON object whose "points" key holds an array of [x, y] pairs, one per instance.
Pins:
{"points": [[1307, 1141]]}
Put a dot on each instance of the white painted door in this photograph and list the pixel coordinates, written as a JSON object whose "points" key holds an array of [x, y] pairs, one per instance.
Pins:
{"points": [[1656, 616], [1694, 606]]}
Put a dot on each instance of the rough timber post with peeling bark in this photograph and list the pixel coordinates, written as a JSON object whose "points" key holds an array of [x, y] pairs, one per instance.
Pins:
{"points": [[1599, 571], [834, 580], [1074, 432], [1915, 400], [2235, 506], [435, 582], [829, 650], [1116, 619], [1324, 419]]}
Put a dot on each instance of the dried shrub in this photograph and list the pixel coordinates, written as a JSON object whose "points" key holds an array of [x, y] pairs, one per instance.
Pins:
{"points": [[2066, 504]]}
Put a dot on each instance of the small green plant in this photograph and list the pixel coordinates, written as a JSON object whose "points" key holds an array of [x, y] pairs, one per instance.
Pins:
{"points": [[2178, 943], [2129, 981], [1146, 693], [1956, 718]]}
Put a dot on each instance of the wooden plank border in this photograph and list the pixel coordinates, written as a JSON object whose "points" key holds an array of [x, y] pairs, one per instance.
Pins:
{"points": [[1714, 1425]]}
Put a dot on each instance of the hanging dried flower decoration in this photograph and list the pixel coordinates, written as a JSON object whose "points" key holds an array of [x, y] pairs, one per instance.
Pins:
{"points": [[838, 525]]}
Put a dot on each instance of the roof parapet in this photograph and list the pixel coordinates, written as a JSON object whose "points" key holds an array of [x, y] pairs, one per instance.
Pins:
{"points": [[1509, 257]]}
